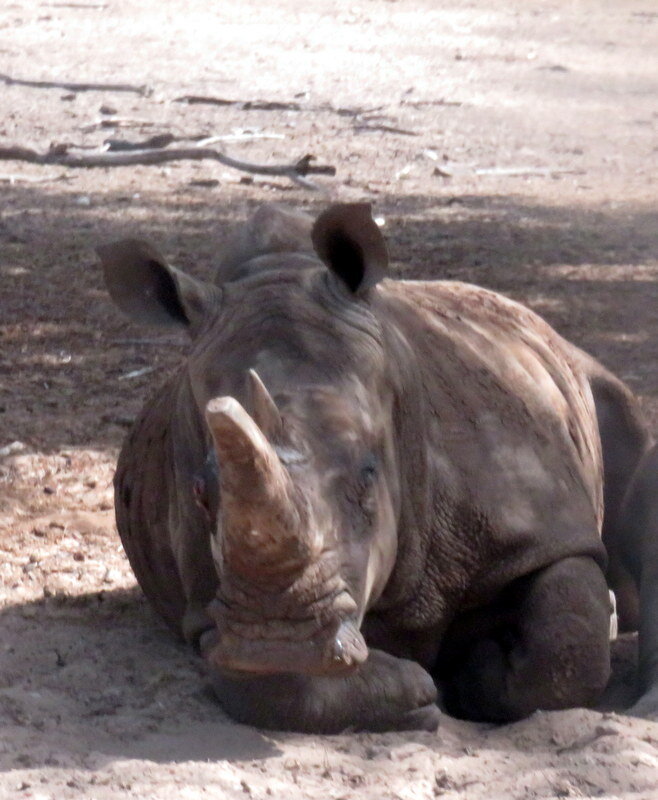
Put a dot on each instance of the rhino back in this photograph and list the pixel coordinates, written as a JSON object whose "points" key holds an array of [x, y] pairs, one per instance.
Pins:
{"points": [[512, 451]]}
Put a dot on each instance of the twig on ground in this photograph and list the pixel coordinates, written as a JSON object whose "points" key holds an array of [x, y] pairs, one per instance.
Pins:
{"points": [[136, 373], [161, 140], [77, 87], [118, 122], [242, 136], [60, 155], [421, 103], [385, 129], [11, 179], [273, 105], [246, 105], [521, 172], [156, 142]]}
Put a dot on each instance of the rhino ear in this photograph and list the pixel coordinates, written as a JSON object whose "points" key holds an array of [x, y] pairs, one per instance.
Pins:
{"points": [[348, 240], [148, 290]]}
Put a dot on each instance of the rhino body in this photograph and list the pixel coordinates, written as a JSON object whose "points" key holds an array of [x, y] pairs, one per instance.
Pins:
{"points": [[357, 488]]}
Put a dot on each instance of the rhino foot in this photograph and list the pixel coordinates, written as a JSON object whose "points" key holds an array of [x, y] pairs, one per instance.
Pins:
{"points": [[426, 718], [383, 694], [647, 706], [551, 651]]}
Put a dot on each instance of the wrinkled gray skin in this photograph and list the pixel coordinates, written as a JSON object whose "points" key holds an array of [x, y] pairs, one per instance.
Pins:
{"points": [[357, 488]]}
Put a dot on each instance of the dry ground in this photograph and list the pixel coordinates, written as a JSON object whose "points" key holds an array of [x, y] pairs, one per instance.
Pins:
{"points": [[513, 144]]}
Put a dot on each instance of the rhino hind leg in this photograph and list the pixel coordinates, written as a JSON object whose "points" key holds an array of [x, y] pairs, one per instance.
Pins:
{"points": [[630, 527], [639, 525], [543, 645], [624, 441], [383, 694]]}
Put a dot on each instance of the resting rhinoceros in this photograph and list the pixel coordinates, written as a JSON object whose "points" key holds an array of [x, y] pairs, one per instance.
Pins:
{"points": [[356, 488]]}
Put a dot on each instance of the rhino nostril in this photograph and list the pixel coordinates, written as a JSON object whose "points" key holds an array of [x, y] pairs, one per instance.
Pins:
{"points": [[347, 646], [338, 651]]}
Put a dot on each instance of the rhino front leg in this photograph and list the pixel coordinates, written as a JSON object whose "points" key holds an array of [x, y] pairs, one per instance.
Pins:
{"points": [[546, 646], [383, 694]]}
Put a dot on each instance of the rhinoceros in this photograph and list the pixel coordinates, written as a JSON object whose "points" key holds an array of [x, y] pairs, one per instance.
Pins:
{"points": [[357, 489]]}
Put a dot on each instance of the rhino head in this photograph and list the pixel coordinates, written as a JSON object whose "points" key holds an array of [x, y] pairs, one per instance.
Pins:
{"points": [[290, 381]]}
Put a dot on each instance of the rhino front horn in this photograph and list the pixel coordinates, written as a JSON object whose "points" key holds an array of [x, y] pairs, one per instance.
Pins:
{"points": [[248, 462], [261, 528]]}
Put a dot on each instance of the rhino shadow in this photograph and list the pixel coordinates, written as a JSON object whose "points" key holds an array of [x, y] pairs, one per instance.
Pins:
{"points": [[91, 678], [63, 710]]}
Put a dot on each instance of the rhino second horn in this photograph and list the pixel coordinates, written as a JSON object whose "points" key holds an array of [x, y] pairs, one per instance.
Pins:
{"points": [[265, 411]]}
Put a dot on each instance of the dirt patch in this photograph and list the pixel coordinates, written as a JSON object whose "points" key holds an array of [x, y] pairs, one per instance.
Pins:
{"points": [[514, 145]]}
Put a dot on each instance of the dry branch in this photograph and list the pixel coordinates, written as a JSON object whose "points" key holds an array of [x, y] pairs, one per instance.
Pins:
{"points": [[273, 105], [385, 129], [12, 179], [156, 142], [117, 122], [60, 155], [246, 105], [77, 87]]}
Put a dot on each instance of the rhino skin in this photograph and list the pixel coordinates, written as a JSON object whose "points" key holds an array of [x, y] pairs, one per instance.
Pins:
{"points": [[355, 489], [638, 541]]}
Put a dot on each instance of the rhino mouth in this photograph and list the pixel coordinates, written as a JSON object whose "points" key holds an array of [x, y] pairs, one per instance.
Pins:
{"points": [[276, 635], [338, 652]]}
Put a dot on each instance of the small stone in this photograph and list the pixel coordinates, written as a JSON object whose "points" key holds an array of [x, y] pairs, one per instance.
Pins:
{"points": [[13, 447], [111, 575]]}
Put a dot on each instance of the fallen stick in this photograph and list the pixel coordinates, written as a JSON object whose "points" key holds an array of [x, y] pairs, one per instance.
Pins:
{"points": [[162, 140], [522, 172], [136, 373], [77, 87], [421, 103], [12, 179], [247, 105], [385, 129], [273, 105], [117, 122], [60, 155], [157, 142], [245, 136]]}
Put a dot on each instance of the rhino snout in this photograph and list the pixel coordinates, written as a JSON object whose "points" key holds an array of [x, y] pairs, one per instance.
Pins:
{"points": [[336, 651]]}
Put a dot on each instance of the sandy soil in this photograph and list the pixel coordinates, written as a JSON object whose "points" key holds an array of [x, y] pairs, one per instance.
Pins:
{"points": [[513, 144]]}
